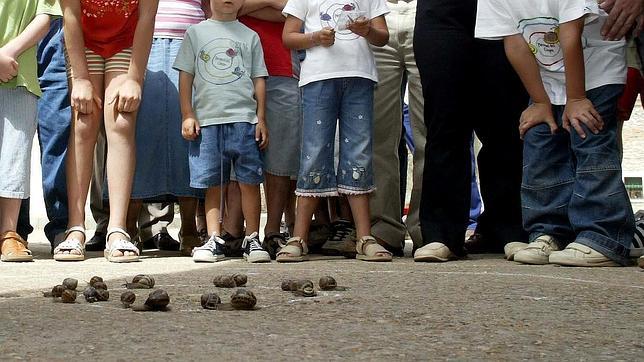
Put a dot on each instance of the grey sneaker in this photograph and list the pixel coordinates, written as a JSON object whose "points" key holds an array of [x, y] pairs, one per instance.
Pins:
{"points": [[342, 241], [512, 248], [253, 251], [210, 252], [580, 255], [538, 251]]}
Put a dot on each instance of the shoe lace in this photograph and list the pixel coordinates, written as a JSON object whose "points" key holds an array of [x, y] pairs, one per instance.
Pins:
{"points": [[212, 243], [253, 245]]}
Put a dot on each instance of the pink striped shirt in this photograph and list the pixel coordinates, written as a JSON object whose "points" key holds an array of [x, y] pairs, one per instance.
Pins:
{"points": [[175, 16]]}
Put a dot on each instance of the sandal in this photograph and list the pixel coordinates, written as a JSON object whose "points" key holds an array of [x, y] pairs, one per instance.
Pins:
{"points": [[369, 250], [70, 245], [295, 250], [123, 245], [14, 248]]}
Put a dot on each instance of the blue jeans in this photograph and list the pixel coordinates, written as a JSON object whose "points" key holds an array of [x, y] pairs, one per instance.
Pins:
{"points": [[349, 102], [572, 188]]}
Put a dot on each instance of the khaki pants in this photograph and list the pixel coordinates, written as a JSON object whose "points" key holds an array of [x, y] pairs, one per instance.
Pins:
{"points": [[395, 60]]}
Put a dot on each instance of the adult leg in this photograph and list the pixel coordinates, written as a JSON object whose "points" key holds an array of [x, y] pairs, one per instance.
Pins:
{"points": [[153, 222], [24, 228]]}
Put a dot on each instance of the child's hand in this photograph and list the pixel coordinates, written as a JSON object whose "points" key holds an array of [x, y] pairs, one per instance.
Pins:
{"points": [[8, 67], [535, 114], [84, 97], [580, 111], [128, 96], [360, 26], [190, 129], [261, 134], [324, 37]]}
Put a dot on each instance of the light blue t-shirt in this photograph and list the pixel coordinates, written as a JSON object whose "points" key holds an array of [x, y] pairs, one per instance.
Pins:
{"points": [[224, 57]]}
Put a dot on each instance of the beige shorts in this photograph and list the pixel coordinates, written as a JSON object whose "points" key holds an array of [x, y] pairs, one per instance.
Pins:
{"points": [[97, 65]]}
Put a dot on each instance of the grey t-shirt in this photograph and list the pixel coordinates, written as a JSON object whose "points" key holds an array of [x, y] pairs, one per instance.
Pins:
{"points": [[224, 57]]}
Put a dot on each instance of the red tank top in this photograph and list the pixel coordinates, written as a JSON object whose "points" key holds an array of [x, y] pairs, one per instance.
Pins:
{"points": [[109, 25]]}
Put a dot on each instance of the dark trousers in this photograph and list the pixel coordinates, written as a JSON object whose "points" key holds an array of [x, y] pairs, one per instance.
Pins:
{"points": [[468, 85]]}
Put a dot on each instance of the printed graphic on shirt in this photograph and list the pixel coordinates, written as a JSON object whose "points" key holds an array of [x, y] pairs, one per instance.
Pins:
{"points": [[98, 8], [220, 61], [330, 11], [542, 35]]}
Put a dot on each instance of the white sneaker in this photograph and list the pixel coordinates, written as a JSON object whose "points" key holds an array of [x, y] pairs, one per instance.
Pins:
{"points": [[210, 252], [434, 252], [253, 251], [580, 255], [512, 248], [538, 251]]}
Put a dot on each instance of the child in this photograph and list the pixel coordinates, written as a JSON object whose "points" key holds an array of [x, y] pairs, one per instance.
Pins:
{"points": [[223, 60], [22, 25], [107, 44], [572, 187], [337, 80]]}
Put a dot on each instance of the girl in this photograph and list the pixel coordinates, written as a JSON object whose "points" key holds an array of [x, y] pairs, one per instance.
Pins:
{"points": [[107, 43]]}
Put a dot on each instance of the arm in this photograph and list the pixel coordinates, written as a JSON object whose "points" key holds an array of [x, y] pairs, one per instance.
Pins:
{"points": [[525, 64], [374, 30], [293, 38], [128, 97], [83, 95], [578, 108], [261, 132], [189, 126], [268, 14], [622, 16], [35, 31]]}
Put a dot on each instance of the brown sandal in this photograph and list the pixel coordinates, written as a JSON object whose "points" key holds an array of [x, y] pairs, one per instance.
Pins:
{"points": [[14, 248]]}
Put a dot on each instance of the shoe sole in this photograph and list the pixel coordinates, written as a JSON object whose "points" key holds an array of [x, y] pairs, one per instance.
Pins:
{"points": [[207, 259], [69, 257], [262, 259], [529, 260], [431, 259], [17, 259], [568, 262], [640, 262]]}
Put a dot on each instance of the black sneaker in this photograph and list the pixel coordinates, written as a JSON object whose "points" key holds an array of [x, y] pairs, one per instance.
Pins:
{"points": [[161, 241], [233, 245], [253, 251], [96, 243], [272, 243], [342, 240]]}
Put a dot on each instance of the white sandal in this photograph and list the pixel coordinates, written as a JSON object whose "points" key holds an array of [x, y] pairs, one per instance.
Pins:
{"points": [[295, 250], [70, 245], [123, 245]]}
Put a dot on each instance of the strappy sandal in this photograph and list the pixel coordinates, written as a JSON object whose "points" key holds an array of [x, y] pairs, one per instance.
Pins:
{"points": [[14, 248], [122, 245], [369, 250], [295, 250], [70, 245]]}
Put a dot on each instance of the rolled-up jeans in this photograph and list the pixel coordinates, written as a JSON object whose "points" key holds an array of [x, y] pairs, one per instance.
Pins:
{"points": [[572, 187]]}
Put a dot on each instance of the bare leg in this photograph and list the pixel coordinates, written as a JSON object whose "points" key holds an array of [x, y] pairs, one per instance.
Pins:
{"points": [[322, 211], [277, 197], [213, 211], [120, 132], [233, 217], [188, 210], [344, 209], [360, 209], [251, 206], [9, 210], [289, 209], [305, 208], [200, 217]]}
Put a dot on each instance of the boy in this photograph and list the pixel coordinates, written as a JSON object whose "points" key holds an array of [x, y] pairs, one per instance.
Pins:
{"points": [[572, 187], [23, 24], [223, 60]]}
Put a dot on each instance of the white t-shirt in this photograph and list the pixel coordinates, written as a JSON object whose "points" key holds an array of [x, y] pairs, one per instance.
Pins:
{"points": [[350, 55], [538, 22]]}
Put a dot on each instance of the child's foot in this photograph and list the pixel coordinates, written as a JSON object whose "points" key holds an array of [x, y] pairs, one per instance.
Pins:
{"points": [[295, 250], [73, 248], [640, 261], [273, 242], [368, 249], [253, 251], [538, 251], [580, 255], [119, 247], [210, 252]]}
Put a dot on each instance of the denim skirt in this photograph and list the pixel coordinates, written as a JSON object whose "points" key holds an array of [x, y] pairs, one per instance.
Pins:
{"points": [[162, 171]]}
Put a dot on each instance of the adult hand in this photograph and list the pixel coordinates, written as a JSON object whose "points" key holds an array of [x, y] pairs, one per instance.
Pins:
{"points": [[8, 66], [535, 114], [580, 111], [84, 97], [128, 96], [190, 129], [623, 15]]}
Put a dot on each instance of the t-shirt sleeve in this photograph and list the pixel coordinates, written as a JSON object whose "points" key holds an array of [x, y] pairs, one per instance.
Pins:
{"points": [[185, 60], [296, 8], [49, 7], [494, 20], [377, 8], [258, 69], [570, 10]]}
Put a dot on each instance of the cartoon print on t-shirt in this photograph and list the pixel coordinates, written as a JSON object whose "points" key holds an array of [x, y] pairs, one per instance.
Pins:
{"points": [[542, 35], [220, 61], [330, 11]]}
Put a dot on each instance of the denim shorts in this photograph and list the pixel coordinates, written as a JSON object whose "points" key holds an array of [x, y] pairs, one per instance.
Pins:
{"points": [[18, 112], [220, 147], [347, 102], [284, 122]]}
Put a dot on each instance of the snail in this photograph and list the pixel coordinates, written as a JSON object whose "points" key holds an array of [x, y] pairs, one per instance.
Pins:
{"points": [[210, 301], [327, 283], [158, 300], [90, 295], [68, 296], [224, 281], [102, 295], [141, 281], [302, 287], [100, 285], [128, 298], [70, 283], [56, 292], [243, 299], [95, 279], [240, 279]]}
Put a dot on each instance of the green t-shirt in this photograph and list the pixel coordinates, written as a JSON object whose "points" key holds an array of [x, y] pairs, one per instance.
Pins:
{"points": [[15, 16], [224, 57]]}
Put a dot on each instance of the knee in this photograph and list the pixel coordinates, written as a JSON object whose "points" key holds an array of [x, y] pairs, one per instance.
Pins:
{"points": [[86, 129], [123, 126]]}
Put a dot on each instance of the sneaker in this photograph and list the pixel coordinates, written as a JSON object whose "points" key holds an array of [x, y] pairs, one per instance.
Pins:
{"points": [[210, 252], [538, 251], [342, 240], [434, 252], [233, 245], [97, 242], [580, 255], [512, 248], [273, 242], [637, 247], [253, 251]]}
